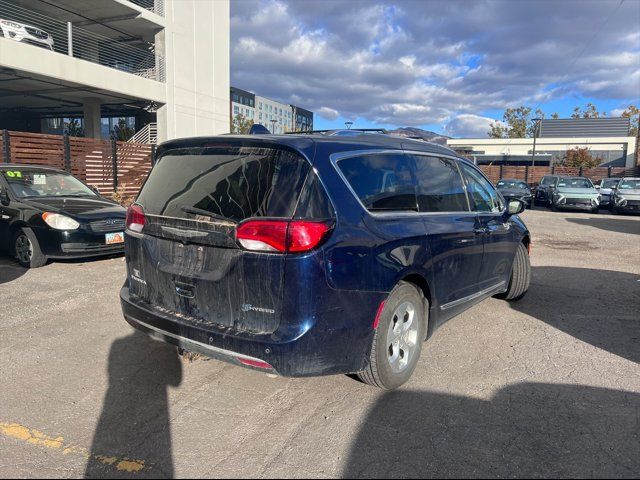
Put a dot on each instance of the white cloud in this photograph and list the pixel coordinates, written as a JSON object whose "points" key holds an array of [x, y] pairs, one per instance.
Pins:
{"points": [[469, 125], [328, 113], [399, 62]]}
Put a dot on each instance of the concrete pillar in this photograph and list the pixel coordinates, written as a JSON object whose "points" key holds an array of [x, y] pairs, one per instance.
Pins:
{"points": [[92, 126]]}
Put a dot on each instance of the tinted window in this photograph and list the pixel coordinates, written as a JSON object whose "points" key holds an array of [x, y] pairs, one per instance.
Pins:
{"points": [[314, 202], [575, 183], [484, 198], [630, 184], [512, 184], [439, 185], [610, 182], [382, 182], [233, 182], [30, 182], [547, 180]]}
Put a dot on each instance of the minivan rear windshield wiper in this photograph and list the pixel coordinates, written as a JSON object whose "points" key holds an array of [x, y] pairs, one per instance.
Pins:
{"points": [[207, 213]]}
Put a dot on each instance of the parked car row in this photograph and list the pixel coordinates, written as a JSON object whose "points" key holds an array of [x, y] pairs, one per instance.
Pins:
{"points": [[619, 195]]}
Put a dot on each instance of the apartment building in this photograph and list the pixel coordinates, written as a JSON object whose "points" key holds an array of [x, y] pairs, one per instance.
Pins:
{"points": [[161, 62], [278, 117]]}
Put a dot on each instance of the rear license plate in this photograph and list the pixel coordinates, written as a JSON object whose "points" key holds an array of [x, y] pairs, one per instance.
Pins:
{"points": [[114, 238]]}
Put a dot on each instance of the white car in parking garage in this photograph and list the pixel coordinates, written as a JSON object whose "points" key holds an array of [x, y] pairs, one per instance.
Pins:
{"points": [[24, 33]]}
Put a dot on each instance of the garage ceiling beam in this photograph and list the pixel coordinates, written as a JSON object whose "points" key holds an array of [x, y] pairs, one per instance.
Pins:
{"points": [[104, 21]]}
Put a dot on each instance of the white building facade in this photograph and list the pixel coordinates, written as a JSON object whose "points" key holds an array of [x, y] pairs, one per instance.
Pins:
{"points": [[278, 117], [606, 138], [163, 62]]}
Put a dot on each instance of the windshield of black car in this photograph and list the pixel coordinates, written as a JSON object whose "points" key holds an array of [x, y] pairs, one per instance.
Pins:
{"points": [[230, 182], [31, 182], [506, 184], [609, 183], [575, 183], [630, 184]]}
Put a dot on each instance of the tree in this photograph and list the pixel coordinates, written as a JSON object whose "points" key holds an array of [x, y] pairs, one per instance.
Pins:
{"points": [[122, 132], [518, 123], [241, 124], [633, 113], [590, 111], [580, 157], [73, 128]]}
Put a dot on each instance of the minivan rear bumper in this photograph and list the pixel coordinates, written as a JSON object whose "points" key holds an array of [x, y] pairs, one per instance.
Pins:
{"points": [[316, 352]]}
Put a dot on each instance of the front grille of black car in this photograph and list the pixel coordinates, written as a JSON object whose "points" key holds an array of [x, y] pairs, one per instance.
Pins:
{"points": [[108, 225], [90, 248], [37, 33]]}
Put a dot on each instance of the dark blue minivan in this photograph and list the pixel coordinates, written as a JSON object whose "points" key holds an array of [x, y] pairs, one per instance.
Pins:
{"points": [[316, 254]]}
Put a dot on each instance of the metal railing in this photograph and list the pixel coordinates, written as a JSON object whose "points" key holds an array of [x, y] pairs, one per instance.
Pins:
{"points": [[155, 6], [25, 26], [147, 134]]}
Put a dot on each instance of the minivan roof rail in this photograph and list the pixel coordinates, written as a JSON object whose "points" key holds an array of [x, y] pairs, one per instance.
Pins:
{"points": [[337, 131]]}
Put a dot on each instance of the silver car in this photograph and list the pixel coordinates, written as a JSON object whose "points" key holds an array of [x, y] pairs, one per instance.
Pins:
{"points": [[24, 33], [626, 196], [606, 186]]}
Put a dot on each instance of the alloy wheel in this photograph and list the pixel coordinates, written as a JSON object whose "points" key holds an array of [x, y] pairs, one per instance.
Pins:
{"points": [[24, 249], [402, 337]]}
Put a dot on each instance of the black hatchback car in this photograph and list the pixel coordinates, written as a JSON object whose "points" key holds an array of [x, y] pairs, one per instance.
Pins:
{"points": [[49, 214], [316, 254]]}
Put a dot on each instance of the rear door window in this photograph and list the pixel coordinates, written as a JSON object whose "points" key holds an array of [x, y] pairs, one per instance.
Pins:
{"points": [[384, 182], [440, 185], [234, 183]]}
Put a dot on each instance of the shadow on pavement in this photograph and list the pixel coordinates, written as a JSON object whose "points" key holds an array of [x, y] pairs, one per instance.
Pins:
{"points": [[599, 307], [525, 431], [610, 224], [134, 424], [10, 270]]}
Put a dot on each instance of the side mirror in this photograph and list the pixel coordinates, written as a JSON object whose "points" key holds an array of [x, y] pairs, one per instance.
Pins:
{"points": [[598, 186], [516, 206], [4, 197]]}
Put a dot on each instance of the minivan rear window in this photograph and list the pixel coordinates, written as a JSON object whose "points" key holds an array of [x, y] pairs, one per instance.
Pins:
{"points": [[234, 183]]}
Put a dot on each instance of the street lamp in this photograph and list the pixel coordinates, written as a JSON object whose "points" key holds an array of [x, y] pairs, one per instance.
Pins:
{"points": [[536, 129], [348, 125]]}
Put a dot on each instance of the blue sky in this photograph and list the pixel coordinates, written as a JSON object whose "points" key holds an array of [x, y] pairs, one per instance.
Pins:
{"points": [[447, 66]]}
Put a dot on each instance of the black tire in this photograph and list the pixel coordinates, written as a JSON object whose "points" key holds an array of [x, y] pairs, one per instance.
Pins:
{"points": [[380, 372], [520, 276], [595, 211], [34, 258]]}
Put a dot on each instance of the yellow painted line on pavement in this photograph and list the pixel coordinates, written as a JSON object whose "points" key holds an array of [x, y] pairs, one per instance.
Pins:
{"points": [[36, 437]]}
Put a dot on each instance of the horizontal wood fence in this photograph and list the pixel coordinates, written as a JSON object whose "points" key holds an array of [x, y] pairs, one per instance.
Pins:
{"points": [[122, 167], [108, 165], [532, 175]]}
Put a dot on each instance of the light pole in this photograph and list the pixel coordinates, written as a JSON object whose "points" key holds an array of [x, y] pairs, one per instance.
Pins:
{"points": [[348, 125], [535, 136]]}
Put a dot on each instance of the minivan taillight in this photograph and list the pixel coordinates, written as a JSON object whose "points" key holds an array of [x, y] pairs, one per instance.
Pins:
{"points": [[135, 218], [282, 236]]}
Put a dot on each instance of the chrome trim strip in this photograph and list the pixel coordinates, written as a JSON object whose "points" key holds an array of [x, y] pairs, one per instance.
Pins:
{"points": [[185, 342], [469, 298]]}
